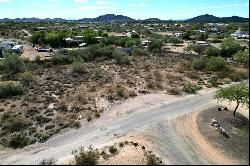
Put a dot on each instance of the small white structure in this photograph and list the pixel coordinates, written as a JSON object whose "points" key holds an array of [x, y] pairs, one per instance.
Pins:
{"points": [[145, 43], [82, 44], [202, 43], [178, 35], [18, 49]]}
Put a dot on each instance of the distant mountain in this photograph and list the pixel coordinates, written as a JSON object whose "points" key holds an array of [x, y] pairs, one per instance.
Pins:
{"points": [[153, 20], [112, 18], [121, 18], [211, 18]]}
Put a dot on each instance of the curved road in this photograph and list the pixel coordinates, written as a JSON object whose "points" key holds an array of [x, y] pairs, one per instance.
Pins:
{"points": [[103, 130]]}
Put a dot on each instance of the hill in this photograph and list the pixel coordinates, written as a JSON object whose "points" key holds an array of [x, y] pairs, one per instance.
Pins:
{"points": [[211, 18]]}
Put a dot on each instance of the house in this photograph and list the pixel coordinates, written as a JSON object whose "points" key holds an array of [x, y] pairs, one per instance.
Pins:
{"points": [[74, 41], [199, 31]]}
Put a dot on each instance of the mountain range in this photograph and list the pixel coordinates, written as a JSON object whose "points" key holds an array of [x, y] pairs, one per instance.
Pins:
{"points": [[211, 18], [121, 18]]}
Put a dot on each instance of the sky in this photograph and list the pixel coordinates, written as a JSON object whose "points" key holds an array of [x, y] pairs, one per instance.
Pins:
{"points": [[137, 9]]}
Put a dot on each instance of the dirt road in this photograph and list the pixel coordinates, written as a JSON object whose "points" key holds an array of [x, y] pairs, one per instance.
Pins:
{"points": [[107, 129]]}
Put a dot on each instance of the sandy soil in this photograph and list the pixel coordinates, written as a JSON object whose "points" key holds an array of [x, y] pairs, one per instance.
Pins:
{"points": [[31, 53], [129, 155]]}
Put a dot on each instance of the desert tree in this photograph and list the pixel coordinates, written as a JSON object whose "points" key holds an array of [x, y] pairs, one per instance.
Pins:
{"points": [[238, 93]]}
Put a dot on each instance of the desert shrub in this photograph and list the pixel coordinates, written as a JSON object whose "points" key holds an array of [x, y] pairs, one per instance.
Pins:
{"points": [[190, 88], [42, 137], [175, 40], [88, 157], [9, 88], [140, 52], [242, 57], [214, 81], [40, 119], [13, 63], [113, 150], [199, 64], [229, 47], [50, 161], [60, 59], [78, 67], [216, 64], [174, 91], [155, 45], [26, 78], [196, 48], [211, 51], [121, 58], [98, 73], [18, 140], [151, 160], [14, 124], [97, 51], [209, 63]]}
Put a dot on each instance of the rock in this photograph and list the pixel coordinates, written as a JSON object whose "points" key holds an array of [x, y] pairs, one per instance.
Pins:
{"points": [[225, 109], [219, 109]]}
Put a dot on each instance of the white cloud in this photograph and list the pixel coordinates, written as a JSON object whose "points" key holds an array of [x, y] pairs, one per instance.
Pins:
{"points": [[104, 3], [88, 8], [5, 1], [79, 1]]}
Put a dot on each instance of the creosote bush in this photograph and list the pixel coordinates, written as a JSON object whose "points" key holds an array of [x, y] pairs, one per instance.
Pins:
{"points": [[10, 88], [89, 157], [27, 78]]}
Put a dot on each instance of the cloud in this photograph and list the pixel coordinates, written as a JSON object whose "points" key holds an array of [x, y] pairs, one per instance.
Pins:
{"points": [[88, 8], [79, 1], [5, 1], [104, 3]]}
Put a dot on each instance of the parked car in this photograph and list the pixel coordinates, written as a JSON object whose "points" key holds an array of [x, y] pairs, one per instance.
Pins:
{"points": [[18, 49], [44, 49]]}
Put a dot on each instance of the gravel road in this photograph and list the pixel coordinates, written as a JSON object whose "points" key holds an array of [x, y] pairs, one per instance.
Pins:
{"points": [[104, 130]]}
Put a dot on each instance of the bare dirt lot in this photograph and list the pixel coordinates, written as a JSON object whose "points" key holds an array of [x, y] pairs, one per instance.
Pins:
{"points": [[236, 146], [32, 54]]}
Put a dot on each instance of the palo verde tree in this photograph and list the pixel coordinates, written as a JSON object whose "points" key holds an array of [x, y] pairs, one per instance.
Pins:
{"points": [[238, 93]]}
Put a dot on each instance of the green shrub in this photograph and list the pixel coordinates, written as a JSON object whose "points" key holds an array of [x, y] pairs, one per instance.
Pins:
{"points": [[229, 47], [78, 67], [60, 59], [88, 157], [26, 78], [216, 64], [9, 88], [190, 88], [155, 45], [50, 161], [13, 63], [175, 40], [242, 57], [14, 124], [121, 58], [97, 51], [199, 64], [18, 140], [151, 160], [211, 51], [140, 52]]}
